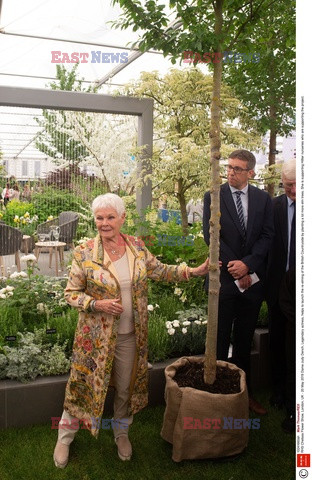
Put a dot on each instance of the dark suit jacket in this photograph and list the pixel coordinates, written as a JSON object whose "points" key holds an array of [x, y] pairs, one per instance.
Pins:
{"points": [[278, 253], [253, 250]]}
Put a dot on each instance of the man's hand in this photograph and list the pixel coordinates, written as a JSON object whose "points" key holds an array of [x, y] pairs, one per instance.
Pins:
{"points": [[245, 282], [237, 269]]}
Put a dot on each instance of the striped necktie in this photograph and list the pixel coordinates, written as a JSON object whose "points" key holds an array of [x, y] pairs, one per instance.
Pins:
{"points": [[239, 207], [292, 245]]}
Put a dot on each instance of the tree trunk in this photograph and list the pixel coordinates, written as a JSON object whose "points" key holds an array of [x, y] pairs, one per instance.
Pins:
{"points": [[272, 147], [182, 202], [214, 281], [272, 113]]}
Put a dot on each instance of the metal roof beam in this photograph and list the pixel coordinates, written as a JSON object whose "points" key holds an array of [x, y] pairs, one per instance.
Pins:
{"points": [[80, 42]]}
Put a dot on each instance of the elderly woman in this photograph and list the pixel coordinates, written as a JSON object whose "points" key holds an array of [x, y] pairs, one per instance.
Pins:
{"points": [[108, 285]]}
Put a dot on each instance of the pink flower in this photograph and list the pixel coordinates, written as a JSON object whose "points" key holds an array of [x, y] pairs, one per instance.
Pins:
{"points": [[87, 345], [86, 329], [79, 341]]}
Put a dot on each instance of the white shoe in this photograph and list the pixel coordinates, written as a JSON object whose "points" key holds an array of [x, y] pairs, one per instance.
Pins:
{"points": [[61, 453], [124, 447]]}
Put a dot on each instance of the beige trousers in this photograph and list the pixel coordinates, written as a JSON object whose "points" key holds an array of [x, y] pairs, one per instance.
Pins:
{"points": [[121, 375]]}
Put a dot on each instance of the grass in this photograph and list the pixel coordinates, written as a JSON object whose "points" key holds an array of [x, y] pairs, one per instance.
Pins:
{"points": [[26, 454]]}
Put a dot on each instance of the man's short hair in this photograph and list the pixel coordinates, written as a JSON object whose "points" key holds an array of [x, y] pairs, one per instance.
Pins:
{"points": [[246, 156], [289, 169]]}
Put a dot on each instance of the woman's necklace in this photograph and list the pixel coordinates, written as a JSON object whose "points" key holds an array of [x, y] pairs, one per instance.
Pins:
{"points": [[113, 250]]}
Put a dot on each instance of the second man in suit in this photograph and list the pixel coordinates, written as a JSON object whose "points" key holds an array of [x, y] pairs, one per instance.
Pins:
{"points": [[281, 297]]}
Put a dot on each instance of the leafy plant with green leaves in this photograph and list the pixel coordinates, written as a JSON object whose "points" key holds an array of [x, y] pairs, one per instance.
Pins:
{"points": [[267, 87], [33, 301], [32, 357], [182, 101]]}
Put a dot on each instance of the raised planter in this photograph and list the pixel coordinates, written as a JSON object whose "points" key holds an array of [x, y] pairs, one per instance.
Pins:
{"points": [[36, 402]]}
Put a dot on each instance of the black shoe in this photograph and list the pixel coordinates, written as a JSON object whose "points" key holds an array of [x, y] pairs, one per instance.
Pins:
{"points": [[277, 401], [289, 424]]}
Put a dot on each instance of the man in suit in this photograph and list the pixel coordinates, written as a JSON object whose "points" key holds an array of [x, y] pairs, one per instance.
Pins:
{"points": [[245, 238], [281, 298]]}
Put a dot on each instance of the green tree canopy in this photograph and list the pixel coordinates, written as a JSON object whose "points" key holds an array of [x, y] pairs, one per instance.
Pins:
{"points": [[181, 130]]}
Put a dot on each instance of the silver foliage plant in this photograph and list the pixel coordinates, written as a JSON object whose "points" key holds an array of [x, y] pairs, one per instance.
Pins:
{"points": [[32, 357]]}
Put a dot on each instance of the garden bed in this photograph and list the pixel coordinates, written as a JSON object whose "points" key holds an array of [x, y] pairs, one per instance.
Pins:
{"points": [[39, 400]]}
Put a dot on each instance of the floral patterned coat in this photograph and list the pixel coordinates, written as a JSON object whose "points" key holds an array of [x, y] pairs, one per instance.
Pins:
{"points": [[93, 277]]}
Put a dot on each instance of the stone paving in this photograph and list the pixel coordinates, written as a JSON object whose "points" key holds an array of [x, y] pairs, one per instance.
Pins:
{"points": [[43, 264]]}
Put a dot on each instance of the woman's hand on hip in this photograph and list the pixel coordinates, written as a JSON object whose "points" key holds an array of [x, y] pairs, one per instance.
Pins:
{"points": [[112, 306]]}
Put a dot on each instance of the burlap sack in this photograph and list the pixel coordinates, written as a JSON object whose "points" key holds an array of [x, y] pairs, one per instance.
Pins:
{"points": [[187, 408]]}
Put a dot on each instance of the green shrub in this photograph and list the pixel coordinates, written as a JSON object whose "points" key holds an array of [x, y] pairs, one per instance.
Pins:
{"points": [[183, 334], [52, 202], [188, 331], [263, 318], [158, 339], [20, 215], [30, 303], [32, 357]]}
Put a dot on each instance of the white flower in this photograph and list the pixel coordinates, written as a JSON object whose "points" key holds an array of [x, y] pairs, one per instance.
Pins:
{"points": [[178, 260], [9, 288], [204, 322], [198, 322], [177, 291], [18, 274], [168, 324], [186, 323], [30, 257], [40, 307], [2, 295], [171, 331], [150, 308], [3, 290], [183, 297], [156, 305], [184, 330], [10, 293], [14, 275], [176, 323]]}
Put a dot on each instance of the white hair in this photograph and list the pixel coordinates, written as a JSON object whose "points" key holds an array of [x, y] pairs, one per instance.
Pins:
{"points": [[289, 169], [108, 200]]}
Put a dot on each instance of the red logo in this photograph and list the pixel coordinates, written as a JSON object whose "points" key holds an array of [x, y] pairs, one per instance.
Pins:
{"points": [[303, 459]]}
